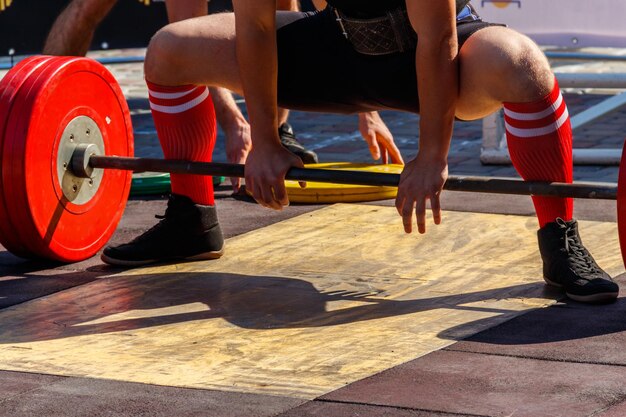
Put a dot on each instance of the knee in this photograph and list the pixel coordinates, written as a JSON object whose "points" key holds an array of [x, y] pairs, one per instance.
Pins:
{"points": [[160, 58], [525, 69]]}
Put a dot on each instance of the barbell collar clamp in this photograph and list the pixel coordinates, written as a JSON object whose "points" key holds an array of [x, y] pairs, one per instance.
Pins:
{"points": [[80, 160]]}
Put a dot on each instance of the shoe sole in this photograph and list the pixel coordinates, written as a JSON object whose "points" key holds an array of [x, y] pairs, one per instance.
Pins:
{"points": [[603, 297], [207, 256]]}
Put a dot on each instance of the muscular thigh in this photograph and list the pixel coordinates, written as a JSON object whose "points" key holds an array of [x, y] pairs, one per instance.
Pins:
{"points": [[318, 69], [491, 62], [199, 51]]}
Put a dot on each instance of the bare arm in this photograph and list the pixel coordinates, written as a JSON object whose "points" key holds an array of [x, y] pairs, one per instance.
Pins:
{"points": [[268, 162], [73, 30], [437, 77], [236, 129], [255, 23], [378, 138], [437, 72], [185, 9]]}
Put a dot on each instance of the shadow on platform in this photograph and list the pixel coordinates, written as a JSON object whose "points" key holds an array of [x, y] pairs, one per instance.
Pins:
{"points": [[250, 302]]}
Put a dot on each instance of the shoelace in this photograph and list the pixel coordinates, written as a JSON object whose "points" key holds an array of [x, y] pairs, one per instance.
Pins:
{"points": [[581, 259]]}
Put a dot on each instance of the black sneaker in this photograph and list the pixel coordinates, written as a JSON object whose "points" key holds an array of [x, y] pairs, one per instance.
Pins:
{"points": [[187, 231], [568, 264], [289, 141]]}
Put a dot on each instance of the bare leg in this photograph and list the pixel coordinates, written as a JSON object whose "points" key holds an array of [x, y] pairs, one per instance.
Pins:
{"points": [[72, 32], [538, 131], [229, 117], [228, 113], [518, 72], [199, 51], [539, 138]]}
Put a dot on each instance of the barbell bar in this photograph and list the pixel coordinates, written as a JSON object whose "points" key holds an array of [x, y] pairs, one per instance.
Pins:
{"points": [[493, 185], [66, 152]]}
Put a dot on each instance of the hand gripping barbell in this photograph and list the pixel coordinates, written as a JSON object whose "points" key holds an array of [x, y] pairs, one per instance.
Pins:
{"points": [[63, 118]]}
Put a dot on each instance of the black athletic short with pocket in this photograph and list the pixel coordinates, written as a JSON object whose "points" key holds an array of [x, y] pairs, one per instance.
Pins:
{"points": [[319, 70]]}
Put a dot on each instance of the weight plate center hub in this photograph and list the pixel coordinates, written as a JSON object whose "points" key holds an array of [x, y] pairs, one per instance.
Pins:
{"points": [[80, 140]]}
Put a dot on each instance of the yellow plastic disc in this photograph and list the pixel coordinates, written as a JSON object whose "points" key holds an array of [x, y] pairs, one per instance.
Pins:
{"points": [[318, 192]]}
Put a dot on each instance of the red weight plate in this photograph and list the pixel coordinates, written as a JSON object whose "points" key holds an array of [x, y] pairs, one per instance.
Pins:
{"points": [[621, 204], [11, 200], [53, 227], [9, 86]]}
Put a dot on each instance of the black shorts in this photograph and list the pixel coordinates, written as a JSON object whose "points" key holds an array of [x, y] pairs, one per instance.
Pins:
{"points": [[318, 69]]}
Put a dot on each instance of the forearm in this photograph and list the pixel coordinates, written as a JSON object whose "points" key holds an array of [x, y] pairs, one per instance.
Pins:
{"points": [[226, 110], [369, 117], [436, 62], [185, 9], [73, 30], [255, 23], [437, 78]]}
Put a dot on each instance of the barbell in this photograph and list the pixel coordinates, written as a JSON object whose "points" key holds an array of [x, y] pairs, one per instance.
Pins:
{"points": [[66, 156]]}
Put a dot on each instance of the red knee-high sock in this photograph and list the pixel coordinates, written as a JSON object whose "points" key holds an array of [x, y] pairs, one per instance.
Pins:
{"points": [[539, 136], [184, 118]]}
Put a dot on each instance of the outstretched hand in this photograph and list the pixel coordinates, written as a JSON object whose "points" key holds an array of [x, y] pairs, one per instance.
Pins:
{"points": [[266, 168], [422, 179], [379, 139]]}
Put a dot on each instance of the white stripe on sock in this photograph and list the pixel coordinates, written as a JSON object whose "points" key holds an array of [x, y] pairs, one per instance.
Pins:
{"points": [[540, 131], [535, 116], [170, 96], [181, 107]]}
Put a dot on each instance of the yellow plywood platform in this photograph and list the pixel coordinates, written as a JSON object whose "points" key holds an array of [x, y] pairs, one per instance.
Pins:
{"points": [[298, 308]]}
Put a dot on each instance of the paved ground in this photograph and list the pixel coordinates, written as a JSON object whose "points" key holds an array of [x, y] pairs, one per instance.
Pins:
{"points": [[563, 360]]}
